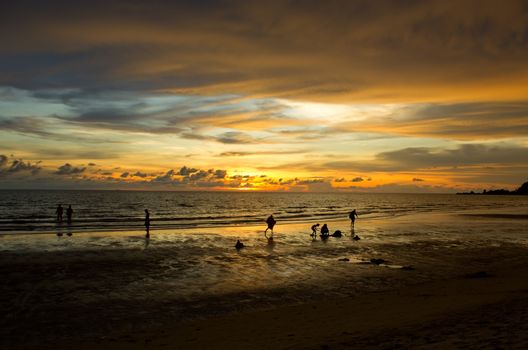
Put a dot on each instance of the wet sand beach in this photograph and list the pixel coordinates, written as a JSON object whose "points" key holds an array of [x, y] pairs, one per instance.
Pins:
{"points": [[465, 312], [445, 281]]}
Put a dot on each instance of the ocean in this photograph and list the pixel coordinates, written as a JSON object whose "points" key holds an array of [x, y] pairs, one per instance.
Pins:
{"points": [[34, 211]]}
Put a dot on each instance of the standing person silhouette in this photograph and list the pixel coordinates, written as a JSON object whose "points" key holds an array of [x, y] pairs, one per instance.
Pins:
{"points": [[147, 223], [271, 223], [325, 232], [353, 215], [59, 212], [69, 214]]}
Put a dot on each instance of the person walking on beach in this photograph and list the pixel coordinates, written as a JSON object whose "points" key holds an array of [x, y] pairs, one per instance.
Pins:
{"points": [[314, 231], [147, 223], [69, 214], [59, 212], [325, 232], [353, 215], [271, 223]]}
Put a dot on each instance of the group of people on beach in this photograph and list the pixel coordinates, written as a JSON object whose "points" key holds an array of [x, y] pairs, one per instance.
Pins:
{"points": [[270, 221], [325, 232]]}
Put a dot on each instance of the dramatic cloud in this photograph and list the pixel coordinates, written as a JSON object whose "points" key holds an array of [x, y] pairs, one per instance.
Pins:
{"points": [[165, 178], [192, 177], [140, 174], [17, 166], [357, 49], [186, 171], [219, 174], [314, 94], [68, 169]]}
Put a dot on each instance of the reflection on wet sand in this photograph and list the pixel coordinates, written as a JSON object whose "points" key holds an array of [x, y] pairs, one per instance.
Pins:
{"points": [[147, 242], [197, 272]]}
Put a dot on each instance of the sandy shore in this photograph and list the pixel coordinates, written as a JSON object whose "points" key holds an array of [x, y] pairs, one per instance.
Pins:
{"points": [[110, 291], [472, 311]]}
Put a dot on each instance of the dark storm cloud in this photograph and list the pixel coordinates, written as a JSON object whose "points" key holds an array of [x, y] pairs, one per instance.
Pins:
{"points": [[359, 48], [68, 169]]}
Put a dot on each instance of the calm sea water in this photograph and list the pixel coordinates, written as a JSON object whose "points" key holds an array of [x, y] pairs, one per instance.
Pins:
{"points": [[34, 211]]}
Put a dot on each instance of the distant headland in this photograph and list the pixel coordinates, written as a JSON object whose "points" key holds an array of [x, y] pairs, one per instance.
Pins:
{"points": [[523, 190]]}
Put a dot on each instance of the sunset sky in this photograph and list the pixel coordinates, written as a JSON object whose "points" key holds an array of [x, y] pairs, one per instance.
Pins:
{"points": [[392, 96]]}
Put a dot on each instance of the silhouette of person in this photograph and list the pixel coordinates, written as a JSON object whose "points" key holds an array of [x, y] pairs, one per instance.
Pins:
{"points": [[69, 214], [271, 223], [314, 230], [353, 215], [147, 223], [59, 212], [324, 231], [239, 245]]}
